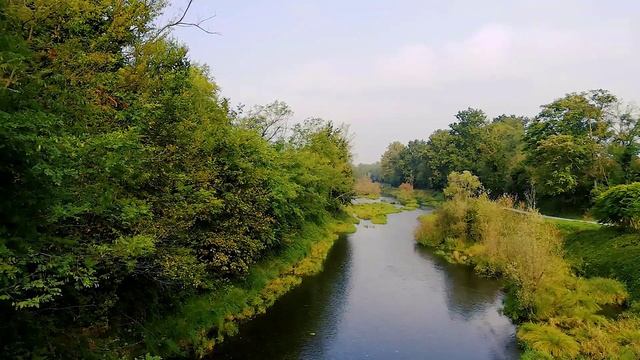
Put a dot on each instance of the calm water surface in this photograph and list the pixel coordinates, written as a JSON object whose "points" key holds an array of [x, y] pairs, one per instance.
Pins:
{"points": [[381, 296]]}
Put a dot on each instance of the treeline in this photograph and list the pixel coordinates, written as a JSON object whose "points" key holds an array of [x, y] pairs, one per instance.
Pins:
{"points": [[127, 182], [575, 148]]}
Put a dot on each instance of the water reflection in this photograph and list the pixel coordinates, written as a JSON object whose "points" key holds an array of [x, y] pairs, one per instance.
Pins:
{"points": [[467, 293], [290, 329], [381, 297]]}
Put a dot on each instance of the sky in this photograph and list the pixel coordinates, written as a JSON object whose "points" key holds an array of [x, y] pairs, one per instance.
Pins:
{"points": [[398, 70]]}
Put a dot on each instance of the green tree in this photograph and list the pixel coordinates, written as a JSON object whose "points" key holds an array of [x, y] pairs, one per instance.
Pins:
{"points": [[619, 205], [442, 158], [391, 165], [126, 176], [269, 121], [500, 154]]}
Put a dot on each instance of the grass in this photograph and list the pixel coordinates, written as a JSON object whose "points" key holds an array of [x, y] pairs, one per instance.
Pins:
{"points": [[205, 320], [596, 250], [376, 212]]}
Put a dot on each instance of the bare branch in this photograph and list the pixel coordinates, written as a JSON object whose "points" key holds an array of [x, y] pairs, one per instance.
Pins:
{"points": [[180, 22]]}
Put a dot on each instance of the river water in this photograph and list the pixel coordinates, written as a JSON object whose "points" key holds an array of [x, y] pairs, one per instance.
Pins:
{"points": [[381, 296]]}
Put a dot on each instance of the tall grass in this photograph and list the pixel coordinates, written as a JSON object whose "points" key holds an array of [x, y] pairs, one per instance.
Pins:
{"points": [[563, 312]]}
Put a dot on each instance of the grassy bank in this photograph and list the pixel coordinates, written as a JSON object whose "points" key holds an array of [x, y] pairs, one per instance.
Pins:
{"points": [[595, 250], [376, 212], [205, 320], [414, 198], [560, 315]]}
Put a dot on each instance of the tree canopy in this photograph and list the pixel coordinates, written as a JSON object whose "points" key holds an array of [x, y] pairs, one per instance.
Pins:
{"points": [[576, 147], [128, 183]]}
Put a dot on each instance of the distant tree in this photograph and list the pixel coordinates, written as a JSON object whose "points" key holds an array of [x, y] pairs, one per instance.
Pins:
{"points": [[467, 135], [391, 164], [373, 171], [413, 163], [442, 158], [500, 154]]}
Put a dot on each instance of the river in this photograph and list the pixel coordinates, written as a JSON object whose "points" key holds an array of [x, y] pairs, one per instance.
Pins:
{"points": [[381, 296]]}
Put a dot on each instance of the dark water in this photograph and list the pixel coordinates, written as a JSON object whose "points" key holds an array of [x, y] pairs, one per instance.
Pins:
{"points": [[380, 296]]}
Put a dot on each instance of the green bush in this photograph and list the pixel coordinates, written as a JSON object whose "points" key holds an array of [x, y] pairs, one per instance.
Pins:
{"points": [[620, 205]]}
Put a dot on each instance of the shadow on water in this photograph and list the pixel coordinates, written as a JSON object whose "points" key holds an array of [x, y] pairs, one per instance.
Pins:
{"points": [[382, 297], [289, 329]]}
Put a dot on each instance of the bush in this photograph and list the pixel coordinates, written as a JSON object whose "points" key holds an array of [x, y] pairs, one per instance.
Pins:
{"points": [[620, 205], [367, 188], [406, 196], [563, 311], [549, 340], [463, 184]]}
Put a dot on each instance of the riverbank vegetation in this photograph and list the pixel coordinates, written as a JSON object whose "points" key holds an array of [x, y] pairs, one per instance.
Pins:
{"points": [[559, 161], [375, 211], [366, 188], [411, 197], [132, 189], [560, 315], [205, 320]]}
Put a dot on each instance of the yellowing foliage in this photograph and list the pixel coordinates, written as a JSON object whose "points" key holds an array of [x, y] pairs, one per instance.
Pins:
{"points": [[563, 310], [364, 187]]}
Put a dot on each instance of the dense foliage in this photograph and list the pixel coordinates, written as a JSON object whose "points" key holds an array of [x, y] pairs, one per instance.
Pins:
{"points": [[560, 314], [607, 251], [127, 182], [619, 205], [575, 148]]}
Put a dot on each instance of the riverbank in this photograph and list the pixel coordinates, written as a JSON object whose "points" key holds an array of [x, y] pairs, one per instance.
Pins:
{"points": [[382, 297], [205, 320], [559, 314], [596, 250]]}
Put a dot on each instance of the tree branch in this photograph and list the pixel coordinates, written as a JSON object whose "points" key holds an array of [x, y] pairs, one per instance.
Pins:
{"points": [[181, 23]]}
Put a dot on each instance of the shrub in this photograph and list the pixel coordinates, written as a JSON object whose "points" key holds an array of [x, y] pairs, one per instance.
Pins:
{"points": [[549, 340], [367, 188], [463, 184], [564, 311], [620, 205]]}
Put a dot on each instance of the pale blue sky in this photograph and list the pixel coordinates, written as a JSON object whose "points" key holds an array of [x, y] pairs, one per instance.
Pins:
{"points": [[397, 70]]}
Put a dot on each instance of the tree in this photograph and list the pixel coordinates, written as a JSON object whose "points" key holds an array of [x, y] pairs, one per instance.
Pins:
{"points": [[560, 164], [390, 163], [500, 154], [413, 162], [443, 158], [619, 205], [269, 121], [372, 171], [123, 177], [467, 134], [580, 124], [463, 184]]}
